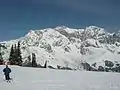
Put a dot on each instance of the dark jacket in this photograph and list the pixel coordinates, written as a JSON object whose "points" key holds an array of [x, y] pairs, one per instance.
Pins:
{"points": [[7, 71]]}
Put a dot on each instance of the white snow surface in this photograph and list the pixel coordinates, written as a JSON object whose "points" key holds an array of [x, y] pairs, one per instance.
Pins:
{"points": [[47, 79]]}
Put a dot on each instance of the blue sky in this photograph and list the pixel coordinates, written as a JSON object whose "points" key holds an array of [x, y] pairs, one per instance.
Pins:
{"points": [[17, 17]]}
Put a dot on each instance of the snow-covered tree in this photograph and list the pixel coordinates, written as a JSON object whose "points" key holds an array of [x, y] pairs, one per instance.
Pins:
{"points": [[34, 63]]}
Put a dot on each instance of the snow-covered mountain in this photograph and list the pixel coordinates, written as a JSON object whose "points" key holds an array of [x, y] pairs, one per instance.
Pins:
{"points": [[69, 47]]}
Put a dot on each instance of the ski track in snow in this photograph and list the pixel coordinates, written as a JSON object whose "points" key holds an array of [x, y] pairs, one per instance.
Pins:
{"points": [[46, 79]]}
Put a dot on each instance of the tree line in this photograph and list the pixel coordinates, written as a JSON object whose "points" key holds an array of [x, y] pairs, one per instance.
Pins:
{"points": [[15, 58]]}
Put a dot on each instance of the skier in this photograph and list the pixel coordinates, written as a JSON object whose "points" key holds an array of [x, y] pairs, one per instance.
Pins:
{"points": [[7, 72]]}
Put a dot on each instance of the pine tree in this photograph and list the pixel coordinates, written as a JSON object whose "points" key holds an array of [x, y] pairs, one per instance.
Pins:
{"points": [[29, 63], [29, 58], [15, 54], [18, 55], [34, 63], [11, 57], [15, 57], [45, 66], [15, 47], [1, 59]]}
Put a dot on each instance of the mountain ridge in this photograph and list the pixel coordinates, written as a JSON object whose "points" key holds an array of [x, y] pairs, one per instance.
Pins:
{"points": [[69, 47]]}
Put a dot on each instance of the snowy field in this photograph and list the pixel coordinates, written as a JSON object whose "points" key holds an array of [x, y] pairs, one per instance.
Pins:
{"points": [[46, 79]]}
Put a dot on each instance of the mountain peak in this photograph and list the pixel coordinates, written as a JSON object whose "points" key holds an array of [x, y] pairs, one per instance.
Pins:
{"points": [[31, 32], [61, 27]]}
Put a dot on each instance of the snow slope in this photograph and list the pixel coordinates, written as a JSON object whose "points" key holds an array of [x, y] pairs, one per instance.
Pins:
{"points": [[68, 47], [47, 79]]}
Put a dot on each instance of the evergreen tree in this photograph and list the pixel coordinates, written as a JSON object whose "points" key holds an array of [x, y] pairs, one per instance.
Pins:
{"points": [[15, 47], [15, 57], [29, 63], [15, 54], [34, 63], [1, 59], [18, 55], [29, 58], [45, 65], [11, 57]]}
